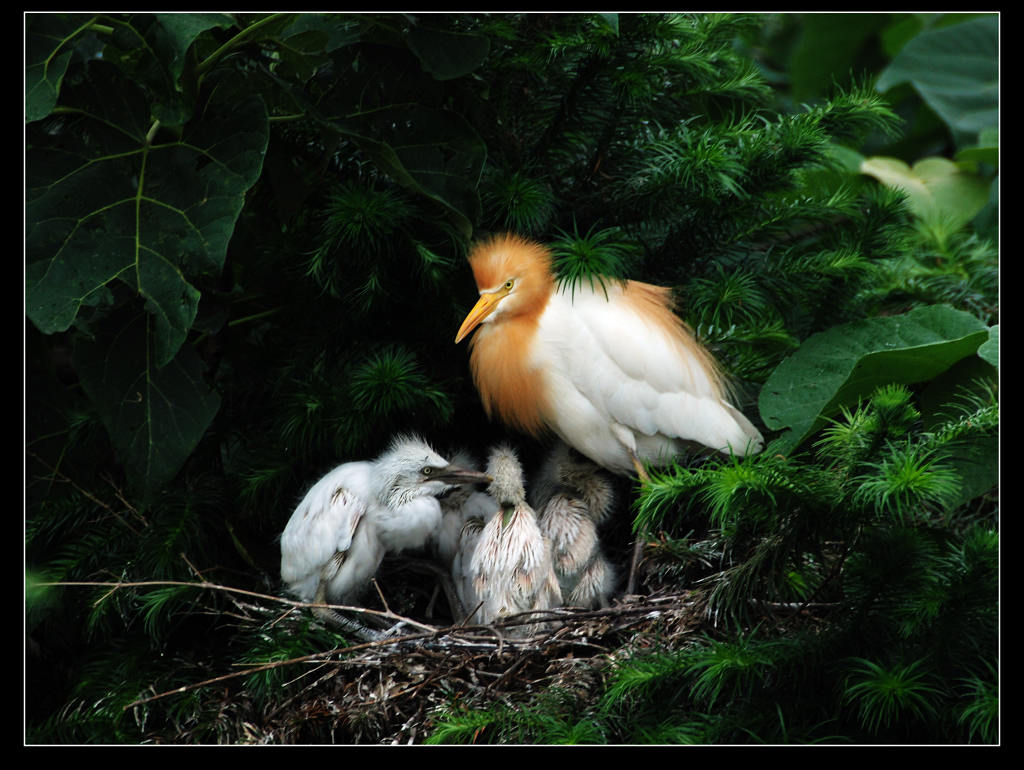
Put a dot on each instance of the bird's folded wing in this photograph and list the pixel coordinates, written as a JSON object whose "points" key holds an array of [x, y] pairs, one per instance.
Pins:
{"points": [[645, 341], [647, 373], [322, 525]]}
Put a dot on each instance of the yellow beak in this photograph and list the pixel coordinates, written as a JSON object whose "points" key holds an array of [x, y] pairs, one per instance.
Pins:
{"points": [[483, 308]]}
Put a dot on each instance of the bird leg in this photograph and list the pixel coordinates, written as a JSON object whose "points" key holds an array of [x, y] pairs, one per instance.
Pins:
{"points": [[641, 471], [446, 583], [638, 543], [332, 618], [429, 612]]}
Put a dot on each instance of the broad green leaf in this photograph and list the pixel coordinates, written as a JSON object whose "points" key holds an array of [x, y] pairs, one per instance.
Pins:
{"points": [[177, 31], [937, 189], [104, 203], [974, 456], [956, 71], [155, 416], [306, 41], [48, 50], [988, 155], [340, 29], [448, 55], [902, 29], [302, 55], [968, 376], [839, 366], [840, 171], [976, 462], [989, 350], [151, 50]]}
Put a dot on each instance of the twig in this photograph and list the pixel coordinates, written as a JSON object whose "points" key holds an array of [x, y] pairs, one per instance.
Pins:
{"points": [[507, 673], [114, 586], [380, 593], [60, 476], [191, 566]]}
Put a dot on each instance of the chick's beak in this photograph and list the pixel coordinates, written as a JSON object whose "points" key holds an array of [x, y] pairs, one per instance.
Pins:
{"points": [[483, 308], [453, 474]]}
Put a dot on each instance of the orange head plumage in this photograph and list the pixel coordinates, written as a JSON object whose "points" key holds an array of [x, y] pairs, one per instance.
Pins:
{"points": [[515, 281], [514, 278]]}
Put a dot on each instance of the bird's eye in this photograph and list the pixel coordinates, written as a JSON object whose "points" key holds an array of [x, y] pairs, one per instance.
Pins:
{"points": [[426, 470], [509, 284]]}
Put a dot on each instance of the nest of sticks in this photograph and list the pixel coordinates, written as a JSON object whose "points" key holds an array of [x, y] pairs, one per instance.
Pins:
{"points": [[387, 691], [394, 690]]}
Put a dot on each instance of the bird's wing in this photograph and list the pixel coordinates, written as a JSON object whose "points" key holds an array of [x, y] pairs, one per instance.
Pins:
{"points": [[323, 525], [565, 522], [635, 363], [455, 513], [462, 558], [594, 586]]}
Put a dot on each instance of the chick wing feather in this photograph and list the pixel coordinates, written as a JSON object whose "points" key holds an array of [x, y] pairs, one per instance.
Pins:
{"points": [[323, 524]]}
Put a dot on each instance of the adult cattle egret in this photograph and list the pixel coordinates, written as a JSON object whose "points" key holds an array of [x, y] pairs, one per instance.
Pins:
{"points": [[511, 562], [340, 531], [611, 370], [572, 498]]}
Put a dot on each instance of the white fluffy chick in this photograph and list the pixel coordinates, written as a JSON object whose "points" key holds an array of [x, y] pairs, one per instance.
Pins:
{"points": [[572, 497], [511, 562]]}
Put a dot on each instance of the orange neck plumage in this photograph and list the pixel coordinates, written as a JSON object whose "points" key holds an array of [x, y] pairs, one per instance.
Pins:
{"points": [[500, 349], [509, 388]]}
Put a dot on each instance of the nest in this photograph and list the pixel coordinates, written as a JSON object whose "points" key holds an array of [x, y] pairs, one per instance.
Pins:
{"points": [[387, 691], [395, 690]]}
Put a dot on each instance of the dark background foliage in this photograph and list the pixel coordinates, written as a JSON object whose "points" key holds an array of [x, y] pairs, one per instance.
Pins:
{"points": [[245, 242]]}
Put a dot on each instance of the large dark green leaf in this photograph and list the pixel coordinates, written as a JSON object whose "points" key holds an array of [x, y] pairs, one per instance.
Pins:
{"points": [[177, 31], [976, 462], [839, 366], [301, 42], [989, 349], [335, 30], [974, 456], [155, 416], [956, 71], [151, 50], [828, 48], [48, 49], [447, 55], [105, 202]]}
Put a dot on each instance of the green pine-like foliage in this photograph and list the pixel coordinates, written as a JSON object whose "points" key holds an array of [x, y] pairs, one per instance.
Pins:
{"points": [[245, 244]]}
